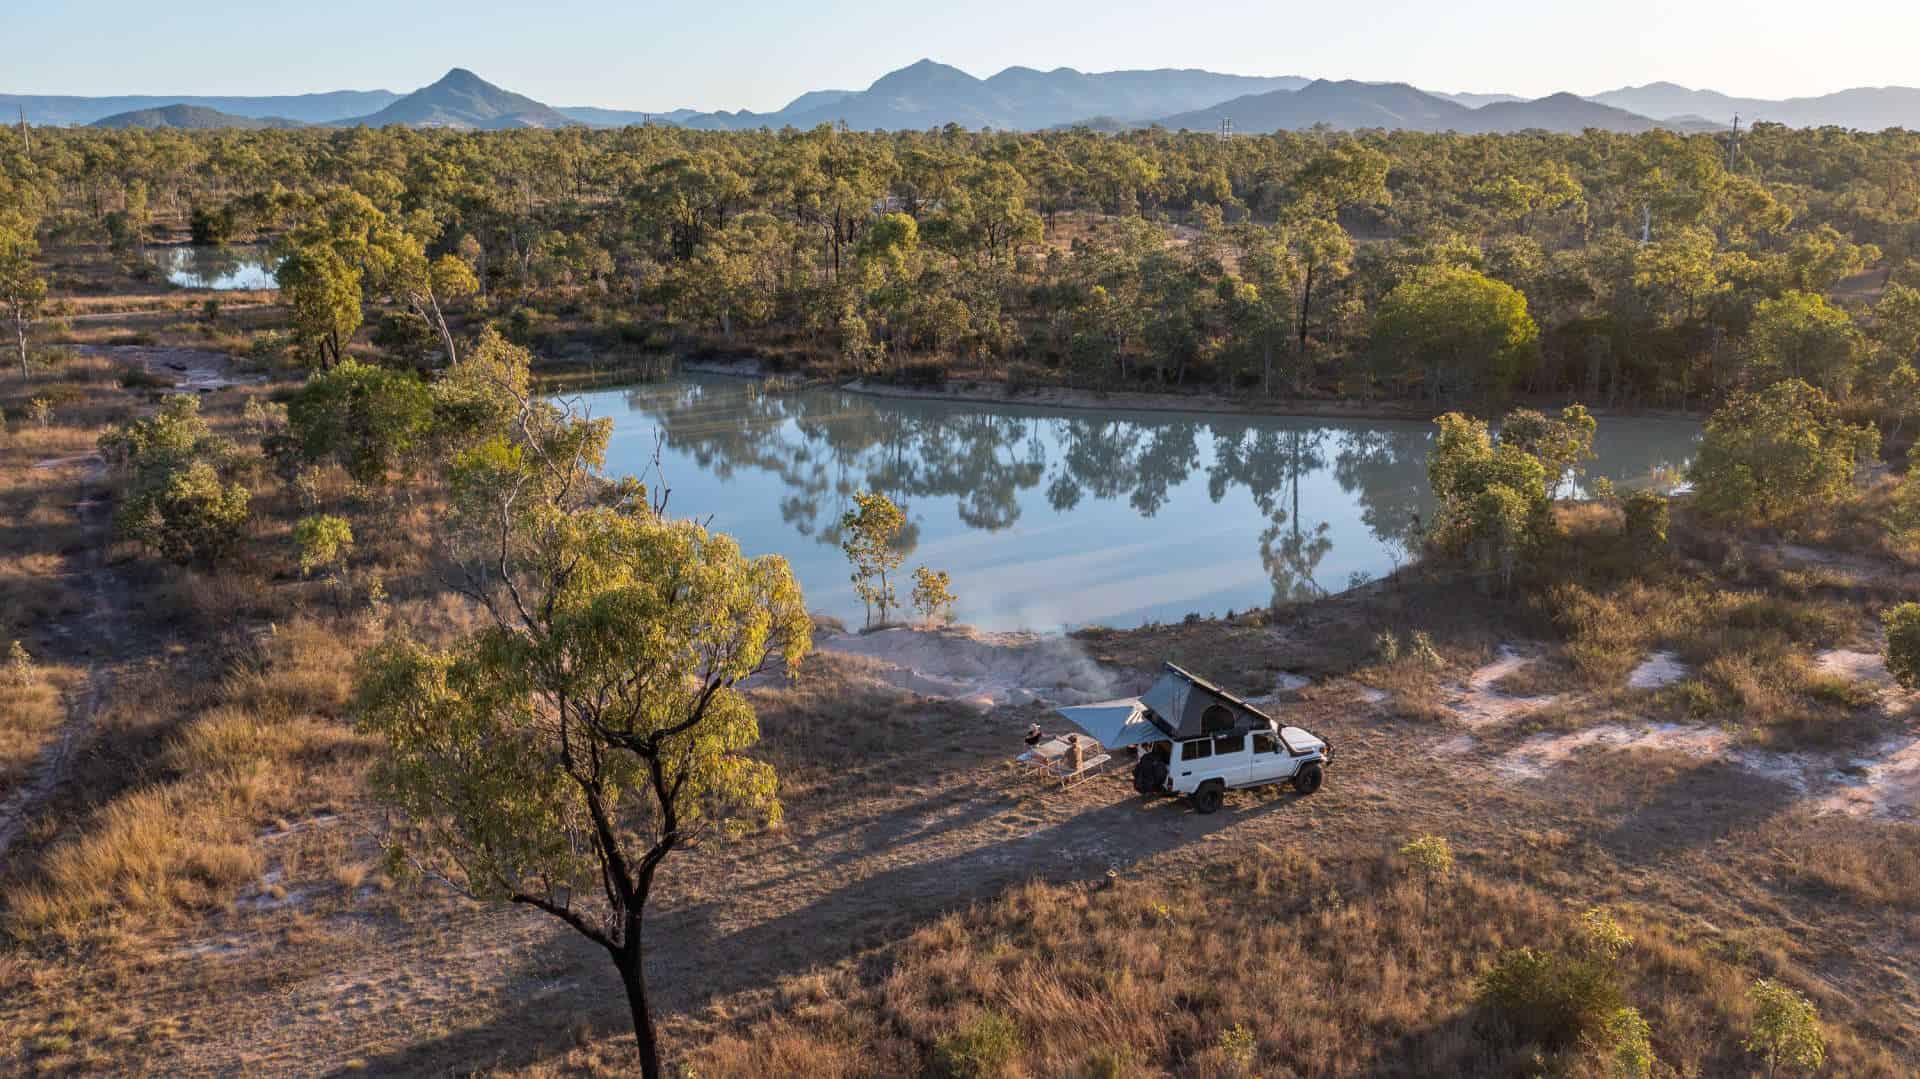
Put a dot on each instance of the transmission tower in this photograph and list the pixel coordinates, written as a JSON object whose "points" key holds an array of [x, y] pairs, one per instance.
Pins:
{"points": [[1226, 129]]}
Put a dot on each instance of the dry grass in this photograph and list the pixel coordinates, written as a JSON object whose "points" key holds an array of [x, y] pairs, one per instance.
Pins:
{"points": [[29, 715], [1344, 969], [274, 745]]}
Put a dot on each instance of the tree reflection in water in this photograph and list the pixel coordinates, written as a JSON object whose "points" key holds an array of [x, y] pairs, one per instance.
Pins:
{"points": [[958, 468]]}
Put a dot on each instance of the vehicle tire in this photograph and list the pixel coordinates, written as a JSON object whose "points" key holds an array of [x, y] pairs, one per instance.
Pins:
{"points": [[1150, 775], [1309, 778], [1210, 797]]}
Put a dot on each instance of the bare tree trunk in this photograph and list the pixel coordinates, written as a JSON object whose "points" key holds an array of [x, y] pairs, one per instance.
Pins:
{"points": [[20, 333], [633, 976]]}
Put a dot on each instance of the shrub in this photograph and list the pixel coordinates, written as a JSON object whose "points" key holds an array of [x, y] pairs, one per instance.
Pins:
{"points": [[1770, 456], [1786, 1029], [1550, 998], [1903, 643], [175, 501], [365, 417], [19, 665], [1432, 856], [1646, 521], [324, 541], [1625, 1045], [1237, 1047], [981, 1048]]}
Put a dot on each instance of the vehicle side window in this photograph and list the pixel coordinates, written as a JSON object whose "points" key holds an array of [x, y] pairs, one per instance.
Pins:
{"points": [[1266, 743], [1193, 751], [1232, 743]]}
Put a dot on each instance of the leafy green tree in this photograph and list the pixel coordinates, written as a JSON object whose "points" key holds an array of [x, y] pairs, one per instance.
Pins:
{"points": [[1785, 1028], [1456, 329], [368, 419], [1801, 335], [1771, 456], [324, 541], [1562, 444], [869, 532], [323, 297], [22, 289], [1493, 503], [933, 594], [1429, 855], [593, 726]]}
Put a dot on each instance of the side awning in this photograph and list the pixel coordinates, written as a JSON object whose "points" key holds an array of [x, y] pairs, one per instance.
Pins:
{"points": [[1115, 724]]}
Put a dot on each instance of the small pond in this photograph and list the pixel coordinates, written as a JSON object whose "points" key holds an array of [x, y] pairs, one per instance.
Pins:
{"points": [[222, 269], [1050, 518]]}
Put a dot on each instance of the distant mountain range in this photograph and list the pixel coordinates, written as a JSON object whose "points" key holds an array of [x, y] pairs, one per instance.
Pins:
{"points": [[928, 95], [1866, 108], [192, 117], [1355, 105], [306, 108]]}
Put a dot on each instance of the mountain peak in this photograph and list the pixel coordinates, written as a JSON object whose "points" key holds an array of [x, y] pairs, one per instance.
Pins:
{"points": [[464, 100]]}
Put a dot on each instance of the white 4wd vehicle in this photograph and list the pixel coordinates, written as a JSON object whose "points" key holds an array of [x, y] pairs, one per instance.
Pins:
{"points": [[1196, 739], [1206, 768]]}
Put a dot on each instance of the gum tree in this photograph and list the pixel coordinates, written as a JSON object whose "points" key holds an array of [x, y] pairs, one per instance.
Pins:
{"points": [[556, 757], [869, 530], [22, 291]]}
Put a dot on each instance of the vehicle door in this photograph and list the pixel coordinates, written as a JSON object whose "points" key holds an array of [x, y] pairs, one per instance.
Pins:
{"points": [[1268, 760], [1230, 759]]}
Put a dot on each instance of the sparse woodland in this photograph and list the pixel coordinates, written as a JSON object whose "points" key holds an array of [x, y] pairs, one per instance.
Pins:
{"points": [[352, 717]]}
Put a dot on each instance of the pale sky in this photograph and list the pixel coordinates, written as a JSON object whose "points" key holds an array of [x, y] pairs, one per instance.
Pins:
{"points": [[758, 54]]}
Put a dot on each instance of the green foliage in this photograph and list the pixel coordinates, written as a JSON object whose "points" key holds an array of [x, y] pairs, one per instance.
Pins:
{"points": [[324, 541], [1455, 330], [933, 594], [322, 295], [1552, 998], [1576, 996], [1237, 1047], [984, 1047], [22, 290], [1431, 856], [1625, 1045], [869, 532], [1771, 456], [1785, 1028], [1647, 515], [1493, 501], [1902, 625], [1801, 336], [175, 501], [558, 755], [210, 227], [1561, 444], [368, 419]]}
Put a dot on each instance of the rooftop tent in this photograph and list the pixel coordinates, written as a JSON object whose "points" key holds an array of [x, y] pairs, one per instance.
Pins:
{"points": [[1190, 706], [1115, 724]]}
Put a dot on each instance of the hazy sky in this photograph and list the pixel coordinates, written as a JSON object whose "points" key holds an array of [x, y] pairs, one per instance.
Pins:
{"points": [[760, 53]]}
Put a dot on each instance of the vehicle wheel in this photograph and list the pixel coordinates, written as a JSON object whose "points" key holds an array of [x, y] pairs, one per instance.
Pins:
{"points": [[1309, 779], [1209, 797]]}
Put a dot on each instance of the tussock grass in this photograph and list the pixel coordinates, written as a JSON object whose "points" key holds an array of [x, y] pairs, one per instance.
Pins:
{"points": [[1272, 964], [29, 715], [274, 745]]}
